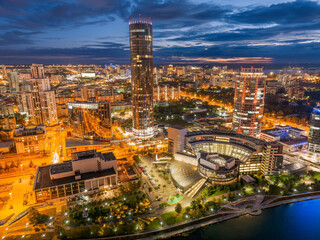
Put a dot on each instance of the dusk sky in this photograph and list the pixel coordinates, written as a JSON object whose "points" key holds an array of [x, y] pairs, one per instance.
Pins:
{"points": [[184, 31]]}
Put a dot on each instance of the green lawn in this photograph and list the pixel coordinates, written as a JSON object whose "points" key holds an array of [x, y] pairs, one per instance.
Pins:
{"points": [[172, 217], [154, 224], [317, 175], [175, 200], [50, 212], [217, 193]]}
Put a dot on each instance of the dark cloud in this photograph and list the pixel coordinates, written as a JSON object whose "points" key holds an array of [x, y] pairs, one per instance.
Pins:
{"points": [[38, 14], [276, 26], [178, 13], [66, 55], [299, 11], [17, 38]]}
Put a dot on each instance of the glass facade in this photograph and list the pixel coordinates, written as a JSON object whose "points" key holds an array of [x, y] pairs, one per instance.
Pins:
{"points": [[249, 101], [74, 188], [255, 155], [141, 76], [314, 134]]}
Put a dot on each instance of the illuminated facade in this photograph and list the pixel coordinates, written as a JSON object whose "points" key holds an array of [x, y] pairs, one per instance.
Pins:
{"points": [[141, 76], [30, 139], [87, 172], [90, 120], [39, 103], [314, 134], [254, 155], [166, 93], [217, 169], [249, 101], [14, 82]]}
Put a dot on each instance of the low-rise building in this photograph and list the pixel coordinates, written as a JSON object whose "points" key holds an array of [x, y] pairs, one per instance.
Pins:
{"points": [[292, 139], [30, 139], [86, 172], [281, 132]]}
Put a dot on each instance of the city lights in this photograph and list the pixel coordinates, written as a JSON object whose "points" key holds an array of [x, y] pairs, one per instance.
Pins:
{"points": [[101, 138]]}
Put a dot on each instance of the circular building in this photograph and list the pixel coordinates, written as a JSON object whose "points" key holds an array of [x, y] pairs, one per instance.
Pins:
{"points": [[218, 169]]}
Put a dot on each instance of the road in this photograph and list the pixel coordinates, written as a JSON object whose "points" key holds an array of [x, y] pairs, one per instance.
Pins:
{"points": [[230, 108]]}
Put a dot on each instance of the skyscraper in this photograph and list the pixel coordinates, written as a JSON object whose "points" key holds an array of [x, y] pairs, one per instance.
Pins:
{"points": [[249, 101], [13, 82], [314, 134], [37, 71], [40, 102], [141, 76]]}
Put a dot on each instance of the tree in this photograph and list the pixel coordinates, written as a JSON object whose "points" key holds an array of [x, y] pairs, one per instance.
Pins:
{"points": [[178, 208], [36, 218], [6, 167], [12, 165], [31, 164]]}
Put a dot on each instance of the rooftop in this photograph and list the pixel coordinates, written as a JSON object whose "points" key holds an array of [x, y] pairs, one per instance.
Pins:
{"points": [[229, 133], [43, 179], [61, 167], [177, 127]]}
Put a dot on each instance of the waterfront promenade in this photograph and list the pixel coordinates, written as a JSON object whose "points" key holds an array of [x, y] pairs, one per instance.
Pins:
{"points": [[251, 205]]}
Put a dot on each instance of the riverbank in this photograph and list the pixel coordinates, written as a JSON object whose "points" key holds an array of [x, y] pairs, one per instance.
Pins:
{"points": [[223, 215]]}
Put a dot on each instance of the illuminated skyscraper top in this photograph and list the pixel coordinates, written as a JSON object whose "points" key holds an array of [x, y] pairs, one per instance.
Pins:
{"points": [[141, 76], [249, 101]]}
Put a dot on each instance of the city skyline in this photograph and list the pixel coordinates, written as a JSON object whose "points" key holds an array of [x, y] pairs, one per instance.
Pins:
{"points": [[158, 119], [272, 32]]}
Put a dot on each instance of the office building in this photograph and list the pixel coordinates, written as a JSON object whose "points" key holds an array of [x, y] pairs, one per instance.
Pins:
{"points": [[249, 101], [141, 76], [314, 133]]}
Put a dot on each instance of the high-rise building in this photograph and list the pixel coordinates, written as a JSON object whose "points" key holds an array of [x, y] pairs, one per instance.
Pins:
{"points": [[13, 82], [37, 71], [39, 103], [249, 101], [88, 94], [314, 134], [141, 76]]}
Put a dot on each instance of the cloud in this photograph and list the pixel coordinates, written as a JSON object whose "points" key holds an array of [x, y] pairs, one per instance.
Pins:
{"points": [[37, 14], [17, 38], [299, 11], [225, 60], [178, 13], [184, 31]]}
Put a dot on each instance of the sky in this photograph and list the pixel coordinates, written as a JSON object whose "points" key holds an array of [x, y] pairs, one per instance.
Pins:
{"points": [[184, 31]]}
